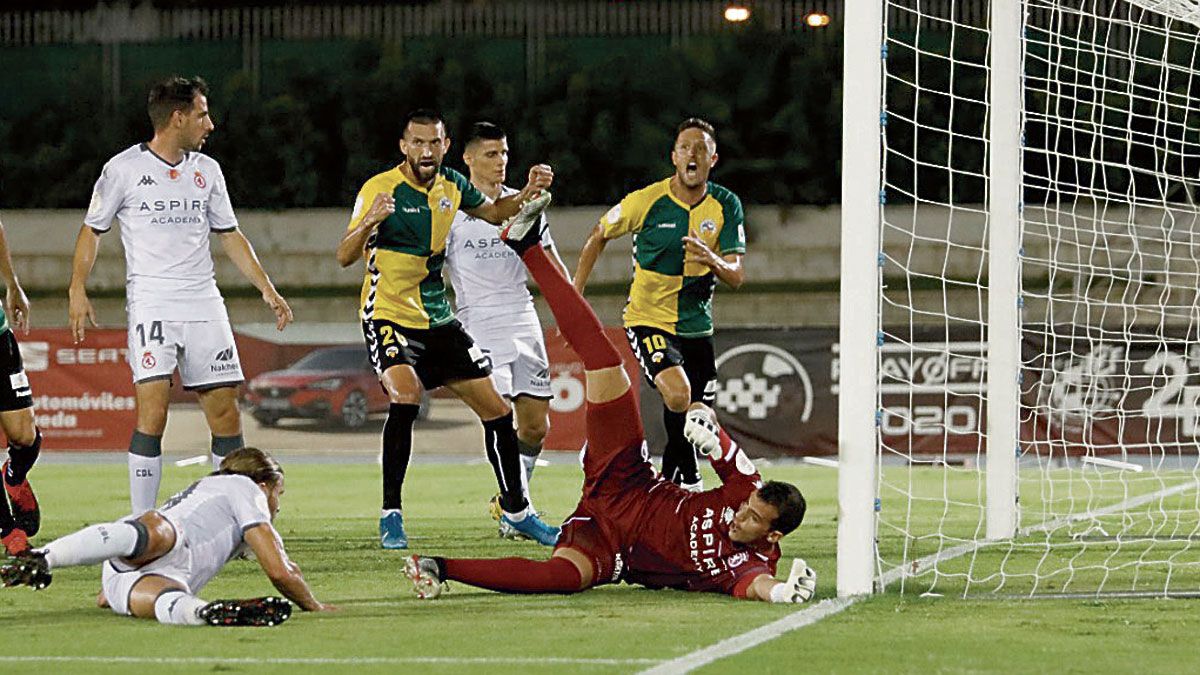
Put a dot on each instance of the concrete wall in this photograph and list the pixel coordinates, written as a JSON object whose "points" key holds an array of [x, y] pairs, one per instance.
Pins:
{"points": [[297, 246]]}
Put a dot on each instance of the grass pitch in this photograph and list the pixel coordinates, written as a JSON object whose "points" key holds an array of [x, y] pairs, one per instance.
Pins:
{"points": [[328, 521]]}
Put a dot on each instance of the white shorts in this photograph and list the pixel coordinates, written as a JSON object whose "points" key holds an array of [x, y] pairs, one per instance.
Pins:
{"points": [[119, 584], [204, 351], [512, 340], [524, 371]]}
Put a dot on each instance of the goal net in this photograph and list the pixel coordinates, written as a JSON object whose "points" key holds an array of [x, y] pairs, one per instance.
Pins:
{"points": [[1080, 360]]}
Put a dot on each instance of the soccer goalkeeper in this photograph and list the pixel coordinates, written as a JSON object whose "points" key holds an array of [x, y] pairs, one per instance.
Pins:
{"points": [[632, 525]]}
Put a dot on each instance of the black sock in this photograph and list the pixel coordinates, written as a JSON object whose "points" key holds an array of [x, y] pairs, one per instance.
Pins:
{"points": [[500, 440], [397, 449], [679, 457], [21, 459], [6, 518]]}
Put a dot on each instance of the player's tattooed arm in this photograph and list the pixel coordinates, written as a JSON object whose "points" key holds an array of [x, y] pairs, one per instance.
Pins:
{"points": [[727, 268], [283, 573], [350, 248], [79, 310], [15, 301], [541, 177], [239, 250]]}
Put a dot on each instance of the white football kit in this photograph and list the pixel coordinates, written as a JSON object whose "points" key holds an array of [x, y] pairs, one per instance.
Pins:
{"points": [[210, 518], [495, 306], [176, 314]]}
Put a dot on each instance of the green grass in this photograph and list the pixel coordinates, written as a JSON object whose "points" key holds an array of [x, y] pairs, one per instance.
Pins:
{"points": [[328, 521]]}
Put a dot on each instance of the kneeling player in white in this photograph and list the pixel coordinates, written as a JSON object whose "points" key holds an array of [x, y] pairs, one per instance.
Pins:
{"points": [[155, 564], [494, 305]]}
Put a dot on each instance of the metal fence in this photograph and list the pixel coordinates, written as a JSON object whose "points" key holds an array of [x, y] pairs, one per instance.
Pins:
{"points": [[122, 23]]}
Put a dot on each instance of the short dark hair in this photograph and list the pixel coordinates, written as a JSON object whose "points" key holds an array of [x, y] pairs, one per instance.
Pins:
{"points": [[788, 501], [485, 131], [171, 94], [421, 116], [696, 123]]}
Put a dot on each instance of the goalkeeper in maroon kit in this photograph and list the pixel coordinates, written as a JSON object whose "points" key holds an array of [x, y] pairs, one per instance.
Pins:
{"points": [[632, 525]]}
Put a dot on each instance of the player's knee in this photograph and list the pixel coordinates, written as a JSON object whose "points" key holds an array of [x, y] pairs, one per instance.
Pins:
{"points": [[533, 432], [159, 538], [152, 421], [677, 399], [23, 433]]}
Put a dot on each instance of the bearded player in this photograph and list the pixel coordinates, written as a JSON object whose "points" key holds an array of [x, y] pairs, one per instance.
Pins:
{"points": [[687, 234], [400, 224], [631, 524]]}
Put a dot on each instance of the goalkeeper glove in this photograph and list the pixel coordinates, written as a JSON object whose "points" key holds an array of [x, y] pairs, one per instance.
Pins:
{"points": [[800, 585], [702, 431]]}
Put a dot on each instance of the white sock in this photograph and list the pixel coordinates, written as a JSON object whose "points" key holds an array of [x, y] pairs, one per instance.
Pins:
{"points": [[145, 473], [384, 513], [92, 545], [517, 517], [528, 463], [178, 608]]}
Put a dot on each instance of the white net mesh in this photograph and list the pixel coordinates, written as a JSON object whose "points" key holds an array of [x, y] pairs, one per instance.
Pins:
{"points": [[1109, 483]]}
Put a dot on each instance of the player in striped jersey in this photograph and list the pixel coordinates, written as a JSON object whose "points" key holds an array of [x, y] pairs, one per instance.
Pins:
{"points": [[493, 302], [687, 233], [400, 224], [169, 198], [20, 515]]}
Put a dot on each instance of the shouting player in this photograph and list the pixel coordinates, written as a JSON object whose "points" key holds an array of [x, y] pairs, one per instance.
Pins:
{"points": [[494, 304], [687, 234], [400, 224], [632, 524], [155, 564], [168, 197], [20, 516]]}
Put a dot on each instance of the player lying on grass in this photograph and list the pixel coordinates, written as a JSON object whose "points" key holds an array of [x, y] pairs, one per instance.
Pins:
{"points": [[155, 564], [631, 524]]}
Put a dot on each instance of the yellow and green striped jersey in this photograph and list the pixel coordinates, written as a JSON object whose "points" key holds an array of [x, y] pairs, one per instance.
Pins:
{"points": [[405, 255], [667, 293]]}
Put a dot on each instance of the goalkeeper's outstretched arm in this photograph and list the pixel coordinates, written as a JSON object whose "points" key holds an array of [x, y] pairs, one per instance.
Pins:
{"points": [[799, 587]]}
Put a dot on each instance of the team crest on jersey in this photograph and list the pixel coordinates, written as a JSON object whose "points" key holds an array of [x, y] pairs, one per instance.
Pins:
{"points": [[727, 515], [738, 559], [445, 204], [148, 360], [708, 226], [198, 179], [173, 174]]}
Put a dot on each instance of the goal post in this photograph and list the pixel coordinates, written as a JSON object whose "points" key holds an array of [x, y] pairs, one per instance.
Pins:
{"points": [[858, 442], [1019, 378], [1003, 277]]}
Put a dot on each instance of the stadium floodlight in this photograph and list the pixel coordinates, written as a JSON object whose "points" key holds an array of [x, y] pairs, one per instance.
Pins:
{"points": [[1020, 298], [736, 12], [817, 20]]}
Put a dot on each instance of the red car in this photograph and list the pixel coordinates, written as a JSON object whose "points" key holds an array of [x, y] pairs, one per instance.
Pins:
{"points": [[335, 383]]}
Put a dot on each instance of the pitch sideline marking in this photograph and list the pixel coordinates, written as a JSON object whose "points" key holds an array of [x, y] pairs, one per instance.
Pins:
{"points": [[826, 608], [753, 638], [353, 661]]}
